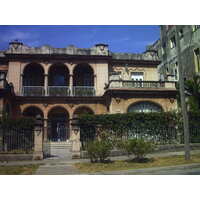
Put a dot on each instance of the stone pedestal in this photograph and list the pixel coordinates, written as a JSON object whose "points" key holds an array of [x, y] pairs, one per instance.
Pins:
{"points": [[38, 144], [76, 144]]}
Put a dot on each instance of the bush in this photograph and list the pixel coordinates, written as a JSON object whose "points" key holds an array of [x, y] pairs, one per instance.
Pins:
{"points": [[19, 123], [139, 147], [99, 151], [142, 148]]}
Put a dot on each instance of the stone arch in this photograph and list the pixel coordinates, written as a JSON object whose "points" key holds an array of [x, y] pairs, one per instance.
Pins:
{"points": [[58, 75], [145, 106], [82, 110], [83, 75], [32, 111], [58, 124], [33, 75]]}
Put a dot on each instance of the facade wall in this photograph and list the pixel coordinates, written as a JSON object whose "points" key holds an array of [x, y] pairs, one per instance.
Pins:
{"points": [[120, 105], [189, 37], [150, 72], [100, 70]]}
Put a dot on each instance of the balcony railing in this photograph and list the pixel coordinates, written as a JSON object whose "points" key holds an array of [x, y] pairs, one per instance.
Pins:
{"points": [[33, 91], [58, 91], [140, 84], [83, 91]]}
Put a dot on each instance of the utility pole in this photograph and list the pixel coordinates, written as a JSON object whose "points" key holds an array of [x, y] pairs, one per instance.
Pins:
{"points": [[182, 95]]}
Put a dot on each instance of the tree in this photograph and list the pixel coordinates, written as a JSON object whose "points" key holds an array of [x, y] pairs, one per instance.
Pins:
{"points": [[192, 89]]}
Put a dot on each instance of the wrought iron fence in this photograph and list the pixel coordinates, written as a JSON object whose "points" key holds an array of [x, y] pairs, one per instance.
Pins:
{"points": [[83, 91], [33, 91], [159, 135], [16, 140], [57, 132], [58, 91]]}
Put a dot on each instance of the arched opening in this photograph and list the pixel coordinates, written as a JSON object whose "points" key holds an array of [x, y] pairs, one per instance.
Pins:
{"points": [[145, 106], [33, 111], [58, 124], [58, 80], [33, 80], [83, 80], [82, 110]]}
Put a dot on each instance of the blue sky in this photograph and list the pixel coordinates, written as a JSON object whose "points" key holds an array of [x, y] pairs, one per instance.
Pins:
{"points": [[130, 39]]}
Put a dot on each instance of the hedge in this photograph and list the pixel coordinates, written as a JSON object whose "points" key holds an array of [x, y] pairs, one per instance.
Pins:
{"points": [[18, 123]]}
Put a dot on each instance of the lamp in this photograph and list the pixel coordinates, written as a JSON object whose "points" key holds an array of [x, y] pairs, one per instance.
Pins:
{"points": [[74, 124], [38, 124]]}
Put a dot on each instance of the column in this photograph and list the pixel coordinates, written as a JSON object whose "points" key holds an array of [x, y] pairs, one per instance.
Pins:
{"points": [[45, 130], [71, 84], [46, 84], [95, 84], [21, 84], [38, 143]]}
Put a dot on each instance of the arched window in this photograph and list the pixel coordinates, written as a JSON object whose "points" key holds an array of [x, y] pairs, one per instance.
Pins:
{"points": [[145, 106], [58, 75], [83, 75]]}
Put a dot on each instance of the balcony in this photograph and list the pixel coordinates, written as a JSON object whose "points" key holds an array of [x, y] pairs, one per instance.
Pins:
{"points": [[33, 91], [58, 91], [78, 91], [129, 84], [83, 91]]}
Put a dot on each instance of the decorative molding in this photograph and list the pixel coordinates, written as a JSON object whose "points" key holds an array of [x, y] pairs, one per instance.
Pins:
{"points": [[45, 105], [171, 100], [71, 105], [118, 100]]}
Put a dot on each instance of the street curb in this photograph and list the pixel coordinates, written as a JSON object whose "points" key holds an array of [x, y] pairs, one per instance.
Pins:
{"points": [[148, 170]]}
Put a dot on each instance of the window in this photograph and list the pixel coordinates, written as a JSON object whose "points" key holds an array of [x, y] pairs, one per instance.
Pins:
{"points": [[197, 59], [137, 76], [145, 107], [173, 42], [180, 33], [195, 27], [176, 75]]}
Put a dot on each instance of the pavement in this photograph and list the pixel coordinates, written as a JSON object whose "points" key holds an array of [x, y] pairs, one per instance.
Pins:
{"points": [[56, 166]]}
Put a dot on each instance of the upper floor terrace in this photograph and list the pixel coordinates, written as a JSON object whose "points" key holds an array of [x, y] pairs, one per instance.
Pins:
{"points": [[72, 71]]}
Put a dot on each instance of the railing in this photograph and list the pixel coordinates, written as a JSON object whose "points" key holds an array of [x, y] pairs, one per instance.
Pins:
{"points": [[33, 91], [140, 84], [58, 91], [15, 140], [83, 91]]}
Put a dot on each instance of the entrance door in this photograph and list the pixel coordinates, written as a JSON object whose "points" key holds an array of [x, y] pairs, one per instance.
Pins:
{"points": [[58, 130]]}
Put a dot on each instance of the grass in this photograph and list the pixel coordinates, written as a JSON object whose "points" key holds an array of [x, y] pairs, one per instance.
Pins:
{"points": [[127, 164], [18, 170]]}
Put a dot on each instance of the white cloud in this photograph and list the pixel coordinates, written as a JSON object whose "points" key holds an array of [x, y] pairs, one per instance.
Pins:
{"points": [[14, 34]]}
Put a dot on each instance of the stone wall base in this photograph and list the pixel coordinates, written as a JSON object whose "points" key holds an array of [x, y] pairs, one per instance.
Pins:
{"points": [[15, 157], [38, 156]]}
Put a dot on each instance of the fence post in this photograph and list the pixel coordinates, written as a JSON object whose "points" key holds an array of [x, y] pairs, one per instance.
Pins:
{"points": [[76, 144], [38, 140]]}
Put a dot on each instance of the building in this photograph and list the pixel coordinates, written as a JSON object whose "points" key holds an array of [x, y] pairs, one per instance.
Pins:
{"points": [[189, 37], [61, 83]]}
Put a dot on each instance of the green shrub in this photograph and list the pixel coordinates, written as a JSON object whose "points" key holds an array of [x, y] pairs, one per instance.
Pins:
{"points": [[138, 147], [142, 148], [99, 151], [19, 123]]}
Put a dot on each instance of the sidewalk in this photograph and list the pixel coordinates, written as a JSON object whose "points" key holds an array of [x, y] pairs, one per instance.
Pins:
{"points": [[54, 161], [169, 170]]}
